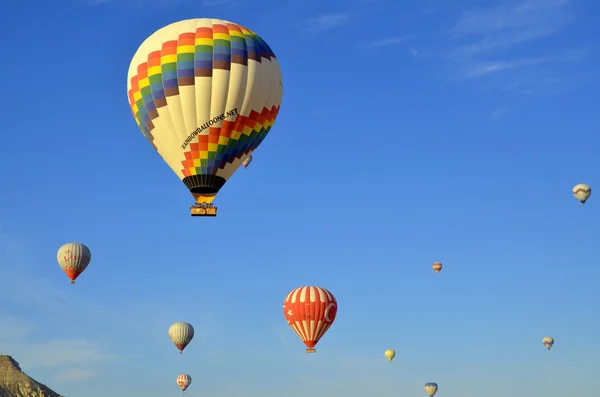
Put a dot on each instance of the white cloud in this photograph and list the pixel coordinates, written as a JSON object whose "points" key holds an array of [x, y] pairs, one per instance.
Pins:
{"points": [[56, 354], [324, 22], [389, 41], [214, 3], [485, 68], [524, 14], [499, 112], [74, 374]]}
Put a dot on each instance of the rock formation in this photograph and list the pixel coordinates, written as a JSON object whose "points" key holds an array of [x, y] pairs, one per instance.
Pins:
{"points": [[15, 383]]}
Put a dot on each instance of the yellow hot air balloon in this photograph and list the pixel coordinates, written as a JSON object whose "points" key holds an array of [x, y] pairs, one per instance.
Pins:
{"points": [[390, 354], [582, 192], [205, 93], [437, 267]]}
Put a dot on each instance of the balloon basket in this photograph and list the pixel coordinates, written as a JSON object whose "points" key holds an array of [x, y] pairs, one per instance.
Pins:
{"points": [[203, 210], [72, 281], [311, 350]]}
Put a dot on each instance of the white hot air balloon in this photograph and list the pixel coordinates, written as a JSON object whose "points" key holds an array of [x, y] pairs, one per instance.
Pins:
{"points": [[390, 354], [582, 192], [548, 341], [73, 258], [431, 388], [247, 162], [184, 381], [181, 335]]}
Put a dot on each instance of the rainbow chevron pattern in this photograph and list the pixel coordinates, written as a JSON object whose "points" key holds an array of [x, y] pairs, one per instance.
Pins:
{"points": [[189, 60]]}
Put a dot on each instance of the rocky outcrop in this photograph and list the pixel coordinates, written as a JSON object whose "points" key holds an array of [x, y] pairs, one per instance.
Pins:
{"points": [[15, 383]]}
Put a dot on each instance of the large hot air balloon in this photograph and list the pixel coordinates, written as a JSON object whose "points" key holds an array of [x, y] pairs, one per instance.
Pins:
{"points": [[184, 381], [205, 93], [437, 267], [73, 258], [181, 335], [390, 354], [310, 311], [431, 388], [582, 192], [548, 341]]}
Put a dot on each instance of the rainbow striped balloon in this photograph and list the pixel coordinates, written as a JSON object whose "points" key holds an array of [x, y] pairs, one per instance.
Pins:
{"points": [[205, 93]]}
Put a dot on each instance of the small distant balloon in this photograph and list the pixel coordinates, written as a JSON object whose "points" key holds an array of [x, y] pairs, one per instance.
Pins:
{"points": [[184, 381], [181, 335], [247, 162], [390, 354], [437, 267], [582, 192], [548, 341], [431, 388], [73, 258]]}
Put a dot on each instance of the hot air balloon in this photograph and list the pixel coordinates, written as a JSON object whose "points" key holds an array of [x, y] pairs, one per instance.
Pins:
{"points": [[73, 258], [390, 354], [548, 341], [247, 161], [582, 192], [181, 335], [437, 267], [310, 311], [184, 381], [431, 388], [205, 93]]}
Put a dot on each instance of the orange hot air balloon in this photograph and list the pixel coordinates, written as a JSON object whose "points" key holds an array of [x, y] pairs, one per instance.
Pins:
{"points": [[310, 311], [437, 267]]}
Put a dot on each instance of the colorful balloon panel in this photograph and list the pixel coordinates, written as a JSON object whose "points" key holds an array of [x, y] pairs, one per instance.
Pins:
{"points": [[205, 93]]}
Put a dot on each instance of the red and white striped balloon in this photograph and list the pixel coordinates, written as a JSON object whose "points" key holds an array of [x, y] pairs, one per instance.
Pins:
{"points": [[184, 381], [310, 311]]}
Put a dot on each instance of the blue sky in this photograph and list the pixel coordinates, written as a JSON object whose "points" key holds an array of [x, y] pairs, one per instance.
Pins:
{"points": [[410, 132]]}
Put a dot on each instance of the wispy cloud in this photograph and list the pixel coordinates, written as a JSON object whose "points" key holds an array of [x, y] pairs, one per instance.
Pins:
{"points": [[389, 41], [214, 3], [324, 22], [74, 374], [480, 69], [499, 112], [525, 14], [508, 44], [67, 357]]}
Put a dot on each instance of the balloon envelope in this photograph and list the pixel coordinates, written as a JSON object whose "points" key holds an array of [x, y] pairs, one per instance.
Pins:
{"points": [[73, 258], [390, 354], [310, 312], [582, 192], [431, 388], [184, 381], [437, 267], [548, 341], [181, 334], [205, 93]]}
